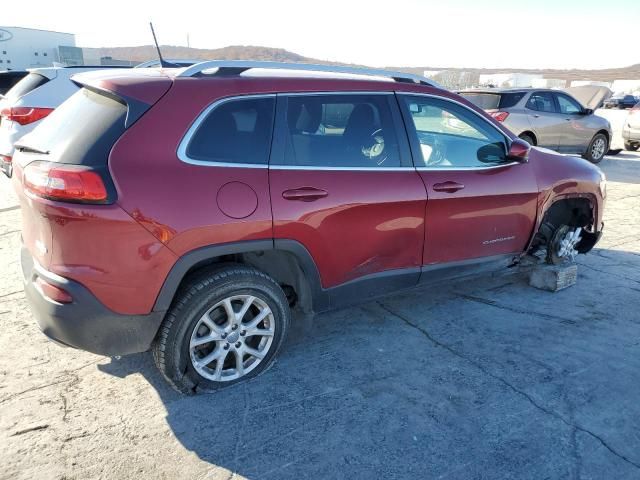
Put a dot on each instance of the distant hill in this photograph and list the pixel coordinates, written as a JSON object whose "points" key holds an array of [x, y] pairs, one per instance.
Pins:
{"points": [[245, 52], [604, 75], [233, 52]]}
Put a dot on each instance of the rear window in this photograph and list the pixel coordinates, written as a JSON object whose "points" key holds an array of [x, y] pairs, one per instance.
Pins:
{"points": [[8, 80], [26, 85], [82, 130], [494, 101]]}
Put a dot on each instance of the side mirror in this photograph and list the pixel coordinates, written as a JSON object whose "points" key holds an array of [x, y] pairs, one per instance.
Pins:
{"points": [[587, 111], [519, 151]]}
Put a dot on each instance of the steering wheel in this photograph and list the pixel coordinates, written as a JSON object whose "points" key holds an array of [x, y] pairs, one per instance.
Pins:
{"points": [[374, 148]]}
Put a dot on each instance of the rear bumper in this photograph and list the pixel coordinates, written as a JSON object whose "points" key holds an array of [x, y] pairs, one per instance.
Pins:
{"points": [[85, 323]]}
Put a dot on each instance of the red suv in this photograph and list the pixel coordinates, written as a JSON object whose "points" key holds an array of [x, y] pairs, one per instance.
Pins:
{"points": [[191, 211]]}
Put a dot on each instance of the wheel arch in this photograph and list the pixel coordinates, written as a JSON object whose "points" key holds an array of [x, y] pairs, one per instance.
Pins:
{"points": [[573, 210], [530, 133], [287, 261], [605, 133]]}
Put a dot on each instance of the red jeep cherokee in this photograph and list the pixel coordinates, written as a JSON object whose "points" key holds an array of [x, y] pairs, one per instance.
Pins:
{"points": [[190, 211]]}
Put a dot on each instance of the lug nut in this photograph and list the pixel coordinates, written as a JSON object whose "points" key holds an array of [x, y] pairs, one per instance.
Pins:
{"points": [[224, 335], [243, 332], [235, 327], [238, 344], [226, 347]]}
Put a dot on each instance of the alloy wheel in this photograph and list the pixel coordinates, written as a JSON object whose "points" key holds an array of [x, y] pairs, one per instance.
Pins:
{"points": [[598, 147], [232, 338], [567, 244]]}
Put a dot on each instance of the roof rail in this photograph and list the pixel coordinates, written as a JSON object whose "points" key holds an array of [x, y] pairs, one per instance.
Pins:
{"points": [[236, 67]]}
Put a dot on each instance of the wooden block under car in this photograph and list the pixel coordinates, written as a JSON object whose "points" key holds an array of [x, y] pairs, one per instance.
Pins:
{"points": [[553, 277]]}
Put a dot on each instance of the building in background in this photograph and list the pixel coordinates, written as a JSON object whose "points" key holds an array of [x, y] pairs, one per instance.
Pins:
{"points": [[506, 80], [549, 83], [453, 79], [630, 87], [22, 48]]}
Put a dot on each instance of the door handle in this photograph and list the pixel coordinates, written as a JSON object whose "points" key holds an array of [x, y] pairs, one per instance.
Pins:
{"points": [[536, 115], [304, 194], [449, 187]]}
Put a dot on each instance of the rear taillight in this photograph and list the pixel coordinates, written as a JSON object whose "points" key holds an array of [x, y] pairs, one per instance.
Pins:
{"points": [[500, 116], [25, 115], [58, 181], [5, 158], [52, 292]]}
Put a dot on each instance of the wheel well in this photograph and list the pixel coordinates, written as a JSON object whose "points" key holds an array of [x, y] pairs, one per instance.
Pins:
{"points": [[532, 135], [280, 265], [605, 133], [575, 212]]}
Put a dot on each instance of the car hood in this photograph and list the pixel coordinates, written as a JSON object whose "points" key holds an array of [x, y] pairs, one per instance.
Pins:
{"points": [[590, 96]]}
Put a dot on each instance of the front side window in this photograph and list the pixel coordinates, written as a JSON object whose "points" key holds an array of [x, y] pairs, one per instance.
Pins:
{"points": [[341, 130], [567, 105], [541, 102], [236, 131], [450, 136]]}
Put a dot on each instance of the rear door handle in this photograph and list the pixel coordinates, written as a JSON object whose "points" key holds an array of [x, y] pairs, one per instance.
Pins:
{"points": [[449, 187], [304, 194]]}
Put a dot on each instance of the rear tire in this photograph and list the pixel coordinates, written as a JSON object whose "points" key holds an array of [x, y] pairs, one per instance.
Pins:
{"points": [[597, 149], [631, 147], [207, 341]]}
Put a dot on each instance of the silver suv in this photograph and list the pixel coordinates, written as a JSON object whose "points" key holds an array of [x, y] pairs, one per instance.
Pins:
{"points": [[547, 118]]}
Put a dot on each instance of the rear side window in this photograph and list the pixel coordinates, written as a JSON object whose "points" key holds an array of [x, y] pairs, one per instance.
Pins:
{"points": [[541, 102], [26, 85], [236, 131], [82, 130], [340, 131], [508, 100]]}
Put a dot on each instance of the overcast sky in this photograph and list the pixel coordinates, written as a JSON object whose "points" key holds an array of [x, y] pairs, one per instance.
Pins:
{"points": [[446, 33]]}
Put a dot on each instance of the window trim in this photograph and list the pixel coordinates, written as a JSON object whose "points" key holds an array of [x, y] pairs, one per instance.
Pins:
{"points": [[410, 133], [404, 149], [193, 128]]}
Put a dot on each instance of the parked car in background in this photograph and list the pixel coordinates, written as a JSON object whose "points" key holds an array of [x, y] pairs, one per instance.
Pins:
{"points": [[547, 118], [631, 129], [30, 100], [191, 211], [620, 101], [9, 78]]}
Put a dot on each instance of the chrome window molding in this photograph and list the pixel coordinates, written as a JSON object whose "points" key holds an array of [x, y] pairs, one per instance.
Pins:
{"points": [[465, 169], [349, 169], [184, 143]]}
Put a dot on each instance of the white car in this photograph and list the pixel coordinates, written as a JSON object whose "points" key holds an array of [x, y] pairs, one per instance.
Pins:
{"points": [[29, 101]]}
